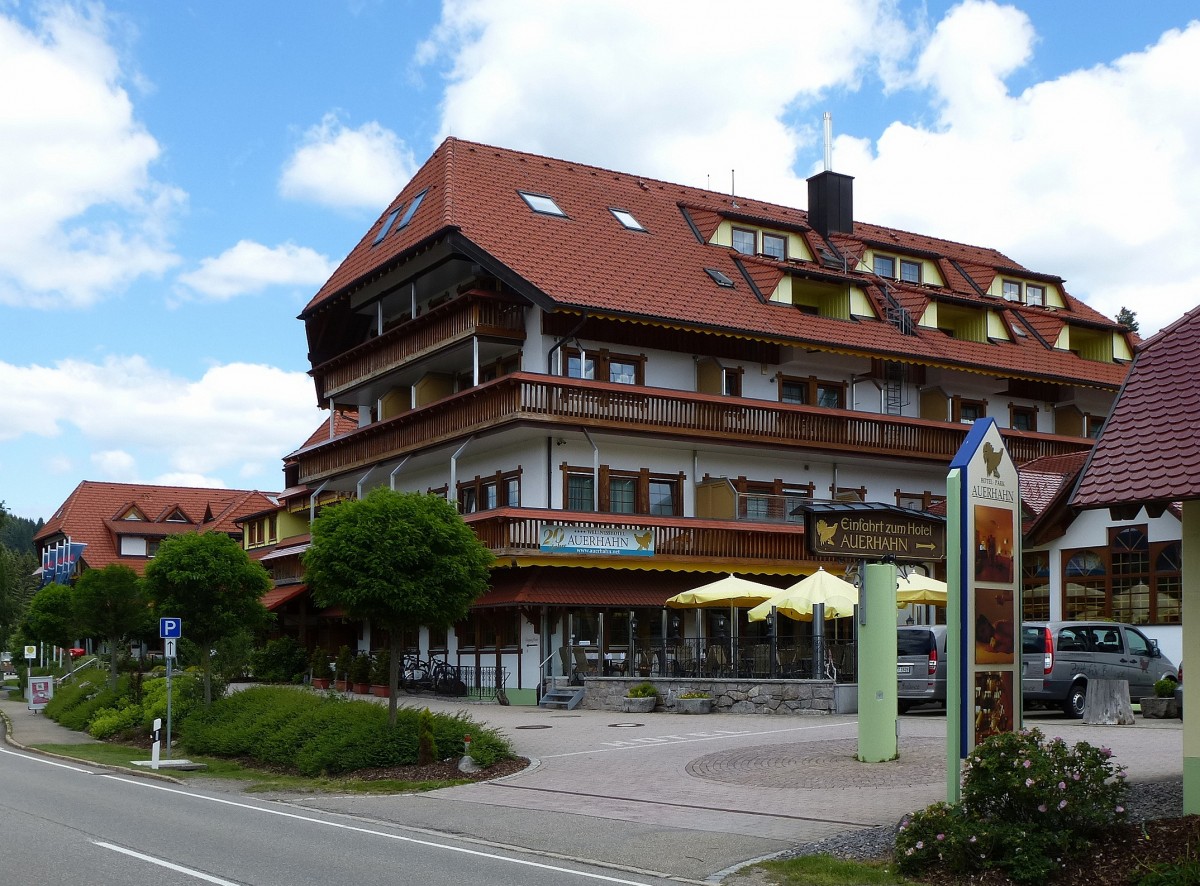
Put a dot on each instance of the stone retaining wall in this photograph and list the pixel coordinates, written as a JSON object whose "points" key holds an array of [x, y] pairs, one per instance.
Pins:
{"points": [[729, 696]]}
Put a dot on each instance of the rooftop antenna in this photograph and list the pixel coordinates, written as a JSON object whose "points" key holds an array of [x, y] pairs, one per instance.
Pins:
{"points": [[828, 142]]}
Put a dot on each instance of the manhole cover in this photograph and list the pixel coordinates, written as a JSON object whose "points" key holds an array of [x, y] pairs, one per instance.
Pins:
{"points": [[534, 726], [624, 725]]}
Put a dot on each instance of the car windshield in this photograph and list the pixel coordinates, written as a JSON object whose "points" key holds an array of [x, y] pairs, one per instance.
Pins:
{"points": [[1033, 639], [914, 642]]}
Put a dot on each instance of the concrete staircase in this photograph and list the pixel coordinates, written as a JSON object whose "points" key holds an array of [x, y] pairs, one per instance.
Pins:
{"points": [[563, 698]]}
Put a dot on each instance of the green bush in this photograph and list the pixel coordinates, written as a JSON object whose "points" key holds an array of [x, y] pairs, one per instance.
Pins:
{"points": [[360, 670], [641, 690], [316, 734], [1028, 806], [1165, 688], [381, 668], [345, 660], [282, 660], [318, 662]]}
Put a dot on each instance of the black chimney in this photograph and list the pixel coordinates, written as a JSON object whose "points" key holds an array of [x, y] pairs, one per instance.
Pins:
{"points": [[831, 203]]}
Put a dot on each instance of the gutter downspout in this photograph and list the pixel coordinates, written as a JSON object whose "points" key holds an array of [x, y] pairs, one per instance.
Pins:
{"points": [[452, 489], [395, 471], [312, 502], [595, 471], [562, 341]]}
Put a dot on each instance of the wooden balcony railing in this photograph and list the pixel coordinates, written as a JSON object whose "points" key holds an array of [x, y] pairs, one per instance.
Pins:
{"points": [[517, 532], [556, 402], [460, 318]]}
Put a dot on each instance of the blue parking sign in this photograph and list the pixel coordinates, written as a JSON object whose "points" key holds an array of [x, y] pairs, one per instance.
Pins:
{"points": [[170, 628]]}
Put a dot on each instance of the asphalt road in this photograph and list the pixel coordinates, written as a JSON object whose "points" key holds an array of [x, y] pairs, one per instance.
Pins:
{"points": [[64, 822]]}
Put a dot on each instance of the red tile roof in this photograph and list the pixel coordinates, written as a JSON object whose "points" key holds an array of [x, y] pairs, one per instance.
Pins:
{"points": [[1149, 449], [91, 514], [588, 261]]}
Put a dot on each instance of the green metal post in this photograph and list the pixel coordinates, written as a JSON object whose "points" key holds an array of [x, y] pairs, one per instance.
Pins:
{"points": [[877, 665]]}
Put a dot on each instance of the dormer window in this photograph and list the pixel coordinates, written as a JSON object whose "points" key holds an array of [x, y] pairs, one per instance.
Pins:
{"points": [[910, 271], [774, 246], [1035, 295], [626, 219], [745, 241], [542, 204], [1011, 290], [885, 266]]}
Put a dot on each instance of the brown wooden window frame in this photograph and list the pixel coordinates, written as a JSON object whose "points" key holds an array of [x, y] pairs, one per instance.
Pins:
{"points": [[956, 409], [813, 388], [495, 488], [1029, 412], [1122, 563], [602, 361], [642, 478], [733, 238], [775, 238]]}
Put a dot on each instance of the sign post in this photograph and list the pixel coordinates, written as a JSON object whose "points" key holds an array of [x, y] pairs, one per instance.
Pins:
{"points": [[983, 612], [170, 630]]}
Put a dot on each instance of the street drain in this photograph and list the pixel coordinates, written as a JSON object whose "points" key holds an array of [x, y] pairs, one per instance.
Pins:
{"points": [[534, 726], [624, 725]]}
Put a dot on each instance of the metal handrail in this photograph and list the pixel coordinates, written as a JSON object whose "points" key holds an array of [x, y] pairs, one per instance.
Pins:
{"points": [[93, 661]]}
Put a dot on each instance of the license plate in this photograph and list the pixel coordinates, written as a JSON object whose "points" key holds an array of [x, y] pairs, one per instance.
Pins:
{"points": [[903, 669]]}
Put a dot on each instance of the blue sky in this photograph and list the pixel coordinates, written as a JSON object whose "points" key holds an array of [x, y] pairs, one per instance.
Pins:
{"points": [[177, 180]]}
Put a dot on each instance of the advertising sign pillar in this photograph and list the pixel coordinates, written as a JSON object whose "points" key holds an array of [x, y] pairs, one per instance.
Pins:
{"points": [[983, 637], [877, 664]]}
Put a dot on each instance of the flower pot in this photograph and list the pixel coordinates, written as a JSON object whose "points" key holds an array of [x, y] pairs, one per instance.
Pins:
{"points": [[693, 705], [341, 685], [360, 688], [1154, 708], [638, 705], [379, 691], [321, 683]]}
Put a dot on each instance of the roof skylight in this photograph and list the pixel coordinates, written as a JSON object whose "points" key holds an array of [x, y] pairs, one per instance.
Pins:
{"points": [[387, 225], [626, 218], [719, 277], [542, 203], [412, 210]]}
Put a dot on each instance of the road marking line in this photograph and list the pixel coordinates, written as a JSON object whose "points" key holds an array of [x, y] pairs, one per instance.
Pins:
{"points": [[34, 759], [162, 863], [652, 741], [374, 833]]}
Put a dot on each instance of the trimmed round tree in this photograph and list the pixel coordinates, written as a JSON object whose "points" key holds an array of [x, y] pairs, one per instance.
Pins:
{"points": [[207, 580], [109, 605], [399, 559]]}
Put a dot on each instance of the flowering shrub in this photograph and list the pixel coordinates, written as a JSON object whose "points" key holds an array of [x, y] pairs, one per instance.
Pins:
{"points": [[1028, 804]]}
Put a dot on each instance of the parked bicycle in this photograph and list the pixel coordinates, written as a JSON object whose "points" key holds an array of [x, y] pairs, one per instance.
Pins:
{"points": [[437, 676]]}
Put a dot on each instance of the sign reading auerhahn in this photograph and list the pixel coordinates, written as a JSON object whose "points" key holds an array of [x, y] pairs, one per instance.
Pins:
{"points": [[872, 534]]}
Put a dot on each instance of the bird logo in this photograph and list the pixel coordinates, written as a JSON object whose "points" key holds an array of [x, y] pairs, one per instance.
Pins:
{"points": [[643, 540], [826, 531], [991, 460]]}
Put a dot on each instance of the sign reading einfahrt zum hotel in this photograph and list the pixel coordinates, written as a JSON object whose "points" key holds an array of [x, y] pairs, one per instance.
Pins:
{"points": [[874, 532]]}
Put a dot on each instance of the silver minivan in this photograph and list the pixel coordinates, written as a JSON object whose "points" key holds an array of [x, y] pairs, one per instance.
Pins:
{"points": [[1060, 657], [920, 666]]}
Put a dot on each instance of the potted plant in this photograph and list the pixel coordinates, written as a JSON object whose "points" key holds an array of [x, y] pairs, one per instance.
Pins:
{"points": [[1162, 704], [360, 674], [321, 671], [695, 701], [341, 669], [640, 699], [379, 674]]}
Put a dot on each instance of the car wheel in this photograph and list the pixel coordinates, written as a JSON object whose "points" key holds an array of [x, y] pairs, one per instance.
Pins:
{"points": [[1076, 698]]}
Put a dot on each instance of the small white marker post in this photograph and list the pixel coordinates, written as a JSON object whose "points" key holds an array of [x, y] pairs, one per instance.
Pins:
{"points": [[154, 747]]}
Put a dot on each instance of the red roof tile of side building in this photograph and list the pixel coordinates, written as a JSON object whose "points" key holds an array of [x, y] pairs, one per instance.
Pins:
{"points": [[1148, 450], [93, 514], [471, 194]]}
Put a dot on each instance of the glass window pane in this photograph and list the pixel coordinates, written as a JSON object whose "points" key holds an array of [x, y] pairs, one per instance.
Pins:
{"points": [[622, 495], [744, 241], [489, 495], [622, 372], [885, 266], [541, 203], [1035, 295], [627, 219], [775, 246], [1011, 290], [581, 367], [793, 392], [412, 210], [579, 493], [910, 271], [662, 497], [829, 396], [512, 492]]}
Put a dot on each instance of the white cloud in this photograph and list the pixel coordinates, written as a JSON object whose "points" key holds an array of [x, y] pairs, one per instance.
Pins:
{"points": [[1093, 176], [116, 465], [249, 267], [80, 214], [637, 86], [132, 416], [346, 168]]}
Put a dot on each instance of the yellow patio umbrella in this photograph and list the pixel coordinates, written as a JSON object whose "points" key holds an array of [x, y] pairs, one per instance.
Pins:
{"points": [[918, 588], [728, 591], [797, 602]]}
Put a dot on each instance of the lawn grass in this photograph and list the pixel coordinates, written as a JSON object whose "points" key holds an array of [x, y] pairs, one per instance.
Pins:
{"points": [[254, 780], [823, 870]]}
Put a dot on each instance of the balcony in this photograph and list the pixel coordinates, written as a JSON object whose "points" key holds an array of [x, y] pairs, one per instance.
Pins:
{"points": [[517, 533], [557, 403], [457, 320]]}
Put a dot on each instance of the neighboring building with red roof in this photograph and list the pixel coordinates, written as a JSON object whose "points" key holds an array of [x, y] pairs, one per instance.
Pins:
{"points": [[563, 349], [124, 522], [1148, 457]]}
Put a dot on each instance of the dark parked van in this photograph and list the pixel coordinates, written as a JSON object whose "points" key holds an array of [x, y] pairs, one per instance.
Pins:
{"points": [[920, 666], [1060, 657]]}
